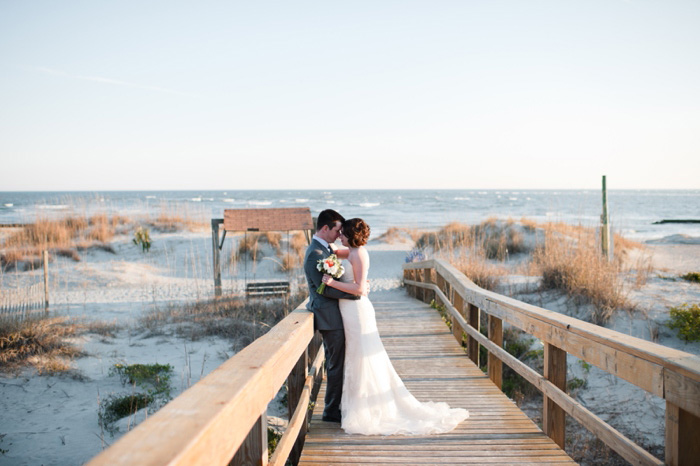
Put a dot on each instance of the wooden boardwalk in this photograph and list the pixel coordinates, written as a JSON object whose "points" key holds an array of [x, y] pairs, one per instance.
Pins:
{"points": [[434, 367]]}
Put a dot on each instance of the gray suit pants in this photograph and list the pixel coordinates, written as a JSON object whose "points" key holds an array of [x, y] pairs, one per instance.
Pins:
{"points": [[334, 344]]}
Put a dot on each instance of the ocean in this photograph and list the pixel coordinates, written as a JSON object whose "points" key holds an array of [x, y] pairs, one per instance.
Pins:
{"points": [[632, 212]]}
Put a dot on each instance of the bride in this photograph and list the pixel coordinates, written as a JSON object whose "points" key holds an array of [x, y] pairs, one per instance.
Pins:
{"points": [[375, 400]]}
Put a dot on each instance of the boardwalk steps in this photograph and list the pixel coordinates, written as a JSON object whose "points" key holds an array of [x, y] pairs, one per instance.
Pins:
{"points": [[434, 367]]}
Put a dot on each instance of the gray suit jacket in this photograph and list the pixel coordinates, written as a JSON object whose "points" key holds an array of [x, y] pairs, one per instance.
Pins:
{"points": [[325, 306]]}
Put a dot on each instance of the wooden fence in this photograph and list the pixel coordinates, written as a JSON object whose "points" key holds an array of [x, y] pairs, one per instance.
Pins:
{"points": [[18, 302], [667, 373], [222, 418]]}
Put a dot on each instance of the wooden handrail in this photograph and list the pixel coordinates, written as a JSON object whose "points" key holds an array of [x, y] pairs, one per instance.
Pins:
{"points": [[209, 423], [671, 374]]}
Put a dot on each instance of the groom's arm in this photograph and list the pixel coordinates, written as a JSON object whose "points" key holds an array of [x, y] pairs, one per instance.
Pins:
{"points": [[315, 276]]}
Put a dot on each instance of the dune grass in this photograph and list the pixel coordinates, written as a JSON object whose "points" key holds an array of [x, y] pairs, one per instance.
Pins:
{"points": [[237, 319], [39, 342], [575, 265]]}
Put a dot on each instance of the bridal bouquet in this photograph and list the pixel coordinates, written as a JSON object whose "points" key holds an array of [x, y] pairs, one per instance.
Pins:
{"points": [[330, 265]]}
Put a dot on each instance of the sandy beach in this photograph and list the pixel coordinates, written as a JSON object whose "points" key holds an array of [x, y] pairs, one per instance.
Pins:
{"points": [[53, 419]]}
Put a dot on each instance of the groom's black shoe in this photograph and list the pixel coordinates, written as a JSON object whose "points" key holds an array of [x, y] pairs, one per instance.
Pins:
{"points": [[330, 418]]}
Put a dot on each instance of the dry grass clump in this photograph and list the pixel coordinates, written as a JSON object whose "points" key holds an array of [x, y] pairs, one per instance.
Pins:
{"points": [[394, 234], [40, 342], [273, 238], [298, 243], [290, 261], [173, 217], [451, 236], [250, 245], [475, 266], [576, 266], [61, 237], [498, 239], [236, 319]]}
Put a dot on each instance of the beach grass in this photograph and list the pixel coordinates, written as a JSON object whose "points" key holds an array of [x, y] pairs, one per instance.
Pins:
{"points": [[236, 319], [41, 342], [571, 261]]}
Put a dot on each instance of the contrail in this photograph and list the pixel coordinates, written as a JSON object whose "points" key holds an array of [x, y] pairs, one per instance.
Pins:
{"points": [[115, 82]]}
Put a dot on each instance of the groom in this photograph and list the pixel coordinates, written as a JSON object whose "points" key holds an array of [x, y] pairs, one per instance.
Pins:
{"points": [[327, 317]]}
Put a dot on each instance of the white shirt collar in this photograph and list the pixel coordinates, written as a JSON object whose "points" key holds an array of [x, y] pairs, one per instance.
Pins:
{"points": [[323, 242]]}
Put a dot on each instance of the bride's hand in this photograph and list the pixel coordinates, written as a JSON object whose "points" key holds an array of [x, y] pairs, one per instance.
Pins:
{"points": [[327, 279]]}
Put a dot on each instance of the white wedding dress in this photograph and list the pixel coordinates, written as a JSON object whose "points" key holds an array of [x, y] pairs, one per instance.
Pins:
{"points": [[375, 400]]}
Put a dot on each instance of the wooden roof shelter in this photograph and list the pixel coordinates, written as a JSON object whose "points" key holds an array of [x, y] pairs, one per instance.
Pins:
{"points": [[257, 220], [279, 219]]}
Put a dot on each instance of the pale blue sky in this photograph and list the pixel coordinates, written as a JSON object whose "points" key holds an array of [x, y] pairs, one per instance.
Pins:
{"points": [[367, 94]]}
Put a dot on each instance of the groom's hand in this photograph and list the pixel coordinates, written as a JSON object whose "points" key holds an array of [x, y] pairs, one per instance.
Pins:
{"points": [[366, 290]]}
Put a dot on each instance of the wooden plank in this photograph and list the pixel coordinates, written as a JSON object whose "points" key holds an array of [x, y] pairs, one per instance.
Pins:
{"points": [[434, 367], [457, 329], [208, 422], [682, 434], [553, 417], [296, 392], [678, 361], [475, 323], [495, 366], [609, 435], [253, 450]]}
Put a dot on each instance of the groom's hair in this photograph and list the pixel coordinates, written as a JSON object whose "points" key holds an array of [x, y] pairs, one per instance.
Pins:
{"points": [[328, 217]]}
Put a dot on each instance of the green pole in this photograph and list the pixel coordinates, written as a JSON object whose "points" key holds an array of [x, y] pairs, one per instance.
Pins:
{"points": [[605, 224]]}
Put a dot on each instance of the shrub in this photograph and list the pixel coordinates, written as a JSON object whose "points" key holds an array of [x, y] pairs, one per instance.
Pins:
{"points": [[142, 238], [514, 342], [686, 320], [153, 378], [41, 342], [576, 267], [692, 277]]}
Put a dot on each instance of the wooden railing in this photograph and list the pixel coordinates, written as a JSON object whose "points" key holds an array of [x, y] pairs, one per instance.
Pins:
{"points": [[670, 374], [222, 418]]}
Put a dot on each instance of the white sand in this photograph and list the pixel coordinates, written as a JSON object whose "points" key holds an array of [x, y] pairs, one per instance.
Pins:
{"points": [[53, 419]]}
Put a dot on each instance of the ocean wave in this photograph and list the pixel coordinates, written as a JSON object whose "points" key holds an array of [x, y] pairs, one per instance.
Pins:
{"points": [[301, 200], [260, 202], [196, 199], [9, 204], [52, 207], [512, 198], [369, 204], [462, 198], [229, 200]]}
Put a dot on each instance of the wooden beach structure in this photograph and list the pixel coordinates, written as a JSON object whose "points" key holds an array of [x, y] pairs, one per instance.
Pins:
{"points": [[19, 303], [222, 418], [258, 221]]}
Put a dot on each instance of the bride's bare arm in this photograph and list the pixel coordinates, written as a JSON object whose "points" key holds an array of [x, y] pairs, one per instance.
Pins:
{"points": [[360, 263], [340, 253]]}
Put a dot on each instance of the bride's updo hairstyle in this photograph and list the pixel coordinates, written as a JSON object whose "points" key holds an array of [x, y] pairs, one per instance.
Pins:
{"points": [[356, 231]]}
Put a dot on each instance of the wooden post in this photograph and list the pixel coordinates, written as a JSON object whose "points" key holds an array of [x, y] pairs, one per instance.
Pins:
{"points": [[253, 450], [605, 225], [475, 322], [457, 330], [46, 280], [428, 295], [408, 275], [295, 387], [682, 433], [440, 282], [495, 365], [215, 222], [553, 418]]}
